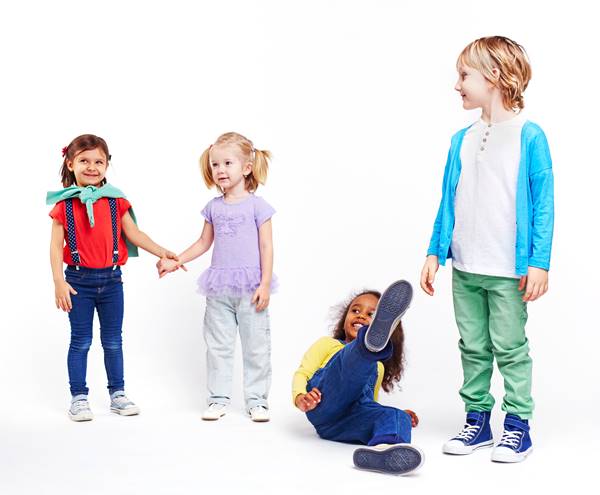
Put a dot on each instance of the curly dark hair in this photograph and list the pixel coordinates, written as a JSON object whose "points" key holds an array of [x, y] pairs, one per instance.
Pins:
{"points": [[394, 366]]}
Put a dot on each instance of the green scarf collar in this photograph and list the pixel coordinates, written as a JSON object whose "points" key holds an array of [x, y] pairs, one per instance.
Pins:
{"points": [[89, 195]]}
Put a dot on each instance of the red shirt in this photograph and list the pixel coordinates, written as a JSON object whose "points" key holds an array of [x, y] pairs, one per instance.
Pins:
{"points": [[95, 244]]}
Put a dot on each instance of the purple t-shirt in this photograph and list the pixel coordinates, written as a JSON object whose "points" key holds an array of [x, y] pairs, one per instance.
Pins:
{"points": [[235, 267]]}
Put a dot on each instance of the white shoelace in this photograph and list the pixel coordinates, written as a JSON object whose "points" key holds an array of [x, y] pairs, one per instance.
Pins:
{"points": [[80, 406], [468, 432], [122, 401], [511, 438]]}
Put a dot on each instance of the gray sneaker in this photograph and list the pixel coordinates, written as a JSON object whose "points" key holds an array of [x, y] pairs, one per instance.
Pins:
{"points": [[80, 409], [120, 404]]}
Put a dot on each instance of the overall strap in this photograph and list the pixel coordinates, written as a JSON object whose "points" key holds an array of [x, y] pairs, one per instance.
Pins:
{"points": [[71, 238], [113, 220]]}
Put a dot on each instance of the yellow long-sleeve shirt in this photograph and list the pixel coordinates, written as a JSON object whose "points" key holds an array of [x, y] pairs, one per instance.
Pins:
{"points": [[317, 356]]}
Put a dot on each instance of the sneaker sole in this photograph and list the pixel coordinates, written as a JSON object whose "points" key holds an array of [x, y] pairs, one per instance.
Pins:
{"points": [[212, 418], [397, 459], [466, 449], [510, 458], [133, 411], [78, 418], [391, 307]]}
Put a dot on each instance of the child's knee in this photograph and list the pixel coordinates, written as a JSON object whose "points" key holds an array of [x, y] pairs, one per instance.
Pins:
{"points": [[81, 344]]}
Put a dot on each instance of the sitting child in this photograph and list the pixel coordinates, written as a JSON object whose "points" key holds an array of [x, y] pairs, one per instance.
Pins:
{"points": [[338, 382]]}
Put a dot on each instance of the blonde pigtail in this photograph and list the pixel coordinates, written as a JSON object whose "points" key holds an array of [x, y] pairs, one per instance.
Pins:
{"points": [[205, 168], [260, 169]]}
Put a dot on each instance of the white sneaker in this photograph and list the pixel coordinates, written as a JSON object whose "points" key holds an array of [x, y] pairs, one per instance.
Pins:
{"points": [[214, 411], [120, 404], [259, 414], [80, 409]]}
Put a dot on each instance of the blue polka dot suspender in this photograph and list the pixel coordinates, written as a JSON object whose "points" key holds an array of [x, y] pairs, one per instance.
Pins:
{"points": [[72, 239], [113, 220]]}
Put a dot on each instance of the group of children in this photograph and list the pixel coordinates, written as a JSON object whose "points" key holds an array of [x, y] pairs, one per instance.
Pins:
{"points": [[495, 220]]}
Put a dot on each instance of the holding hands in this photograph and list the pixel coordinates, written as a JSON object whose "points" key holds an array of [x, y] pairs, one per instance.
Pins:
{"points": [[168, 263]]}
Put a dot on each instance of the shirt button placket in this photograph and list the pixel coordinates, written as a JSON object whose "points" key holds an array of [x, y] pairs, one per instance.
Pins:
{"points": [[484, 140]]}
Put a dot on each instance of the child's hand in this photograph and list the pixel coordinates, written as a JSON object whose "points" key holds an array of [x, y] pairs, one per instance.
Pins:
{"points": [[535, 283], [310, 400], [165, 265], [62, 295], [170, 255], [428, 273], [261, 297], [414, 419]]}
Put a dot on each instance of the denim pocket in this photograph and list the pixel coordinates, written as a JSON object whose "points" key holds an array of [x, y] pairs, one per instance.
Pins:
{"points": [[116, 277], [74, 276]]}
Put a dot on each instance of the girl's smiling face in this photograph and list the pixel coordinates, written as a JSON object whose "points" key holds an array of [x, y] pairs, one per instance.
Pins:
{"points": [[359, 313], [228, 167], [89, 167]]}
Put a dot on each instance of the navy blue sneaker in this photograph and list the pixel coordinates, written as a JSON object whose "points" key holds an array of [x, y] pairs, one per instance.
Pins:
{"points": [[391, 307], [515, 443], [475, 434], [400, 458]]}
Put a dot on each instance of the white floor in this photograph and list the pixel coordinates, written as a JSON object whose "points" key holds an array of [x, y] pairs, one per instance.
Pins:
{"points": [[165, 451]]}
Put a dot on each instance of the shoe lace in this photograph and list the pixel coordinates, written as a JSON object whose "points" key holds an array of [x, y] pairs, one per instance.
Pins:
{"points": [[511, 438], [80, 406], [122, 401], [468, 432]]}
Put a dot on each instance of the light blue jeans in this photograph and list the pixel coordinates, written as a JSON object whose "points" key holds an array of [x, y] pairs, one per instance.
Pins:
{"points": [[224, 316]]}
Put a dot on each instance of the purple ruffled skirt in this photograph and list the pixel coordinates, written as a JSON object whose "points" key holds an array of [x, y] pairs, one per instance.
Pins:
{"points": [[232, 281]]}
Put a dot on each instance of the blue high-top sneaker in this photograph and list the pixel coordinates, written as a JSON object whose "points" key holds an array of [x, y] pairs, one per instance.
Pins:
{"points": [[475, 434], [515, 443], [400, 458], [392, 305]]}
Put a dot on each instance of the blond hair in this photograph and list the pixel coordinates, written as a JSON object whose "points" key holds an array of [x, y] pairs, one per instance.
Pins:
{"points": [[510, 58], [258, 158]]}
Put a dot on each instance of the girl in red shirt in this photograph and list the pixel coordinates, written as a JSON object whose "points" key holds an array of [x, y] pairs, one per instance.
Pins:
{"points": [[93, 232]]}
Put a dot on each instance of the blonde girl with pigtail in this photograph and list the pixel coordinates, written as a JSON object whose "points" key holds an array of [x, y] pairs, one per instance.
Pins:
{"points": [[240, 280]]}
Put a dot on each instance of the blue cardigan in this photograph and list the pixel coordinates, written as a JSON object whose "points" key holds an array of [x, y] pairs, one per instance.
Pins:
{"points": [[535, 201]]}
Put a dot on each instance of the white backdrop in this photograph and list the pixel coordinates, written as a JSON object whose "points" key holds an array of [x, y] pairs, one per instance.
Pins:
{"points": [[356, 102]]}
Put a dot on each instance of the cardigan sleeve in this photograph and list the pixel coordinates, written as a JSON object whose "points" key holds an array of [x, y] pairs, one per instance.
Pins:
{"points": [[541, 183], [434, 243]]}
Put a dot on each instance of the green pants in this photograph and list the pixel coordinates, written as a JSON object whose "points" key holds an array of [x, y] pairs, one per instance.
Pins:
{"points": [[491, 318]]}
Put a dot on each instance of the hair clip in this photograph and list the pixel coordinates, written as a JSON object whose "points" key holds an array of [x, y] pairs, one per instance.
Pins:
{"points": [[64, 151]]}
